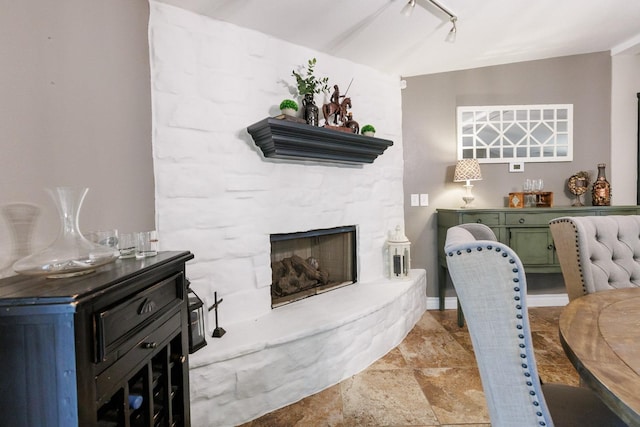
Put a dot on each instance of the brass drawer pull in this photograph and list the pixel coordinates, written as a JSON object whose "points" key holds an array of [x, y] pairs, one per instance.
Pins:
{"points": [[479, 221], [521, 220]]}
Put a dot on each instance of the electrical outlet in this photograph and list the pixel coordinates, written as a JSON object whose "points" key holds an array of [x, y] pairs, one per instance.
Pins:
{"points": [[415, 200], [424, 200]]}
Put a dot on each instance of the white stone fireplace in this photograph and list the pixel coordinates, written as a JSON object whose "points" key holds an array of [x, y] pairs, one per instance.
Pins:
{"points": [[217, 196]]}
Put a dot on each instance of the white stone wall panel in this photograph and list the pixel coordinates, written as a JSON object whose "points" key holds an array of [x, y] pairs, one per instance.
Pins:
{"points": [[217, 196]]}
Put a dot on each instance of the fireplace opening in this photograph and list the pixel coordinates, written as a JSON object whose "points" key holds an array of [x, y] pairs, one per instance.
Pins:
{"points": [[311, 262]]}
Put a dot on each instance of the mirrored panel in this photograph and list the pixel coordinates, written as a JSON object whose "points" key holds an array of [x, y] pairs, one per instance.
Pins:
{"points": [[539, 133]]}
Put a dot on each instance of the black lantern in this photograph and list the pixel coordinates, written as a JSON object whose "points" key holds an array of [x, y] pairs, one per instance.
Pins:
{"points": [[197, 329]]}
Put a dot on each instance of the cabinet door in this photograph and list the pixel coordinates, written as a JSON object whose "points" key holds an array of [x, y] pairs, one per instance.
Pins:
{"points": [[534, 246], [37, 355]]}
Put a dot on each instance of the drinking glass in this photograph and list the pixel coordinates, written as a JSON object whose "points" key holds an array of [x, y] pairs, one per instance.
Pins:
{"points": [[537, 185], [529, 199], [127, 245], [146, 244]]}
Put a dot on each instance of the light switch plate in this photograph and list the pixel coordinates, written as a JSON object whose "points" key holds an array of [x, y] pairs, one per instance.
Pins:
{"points": [[415, 200], [424, 200]]}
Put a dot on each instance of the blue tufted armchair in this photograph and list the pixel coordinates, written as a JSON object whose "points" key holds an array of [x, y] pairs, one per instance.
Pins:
{"points": [[491, 286], [597, 253]]}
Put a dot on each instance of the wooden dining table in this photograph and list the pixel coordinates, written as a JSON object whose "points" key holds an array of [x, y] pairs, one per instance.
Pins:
{"points": [[600, 333]]}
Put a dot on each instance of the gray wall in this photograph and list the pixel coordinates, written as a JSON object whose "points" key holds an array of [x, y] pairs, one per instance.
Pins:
{"points": [[75, 109], [429, 118]]}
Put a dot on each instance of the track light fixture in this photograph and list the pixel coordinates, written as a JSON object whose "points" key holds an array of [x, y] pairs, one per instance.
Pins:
{"points": [[407, 10], [451, 37]]}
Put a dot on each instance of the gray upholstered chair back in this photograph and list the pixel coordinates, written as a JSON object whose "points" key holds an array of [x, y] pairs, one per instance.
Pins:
{"points": [[491, 286], [597, 252]]}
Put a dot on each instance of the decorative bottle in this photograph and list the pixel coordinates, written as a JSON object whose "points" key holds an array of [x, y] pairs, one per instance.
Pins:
{"points": [[311, 112], [601, 190]]}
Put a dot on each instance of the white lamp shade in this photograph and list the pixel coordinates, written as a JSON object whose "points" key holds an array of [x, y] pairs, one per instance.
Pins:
{"points": [[467, 170]]}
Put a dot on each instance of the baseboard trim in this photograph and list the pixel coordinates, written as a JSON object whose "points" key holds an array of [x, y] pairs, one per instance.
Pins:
{"points": [[542, 300]]}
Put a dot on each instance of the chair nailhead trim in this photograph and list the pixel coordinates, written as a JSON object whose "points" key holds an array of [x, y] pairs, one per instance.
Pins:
{"points": [[521, 318]]}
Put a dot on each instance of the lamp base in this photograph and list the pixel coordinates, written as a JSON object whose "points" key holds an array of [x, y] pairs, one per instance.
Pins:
{"points": [[468, 197], [468, 202]]}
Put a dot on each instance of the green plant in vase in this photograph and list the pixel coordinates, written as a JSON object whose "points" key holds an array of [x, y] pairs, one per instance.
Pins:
{"points": [[308, 85], [289, 107], [368, 130]]}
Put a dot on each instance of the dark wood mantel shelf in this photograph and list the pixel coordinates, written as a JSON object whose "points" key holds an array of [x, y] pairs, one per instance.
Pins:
{"points": [[285, 139]]}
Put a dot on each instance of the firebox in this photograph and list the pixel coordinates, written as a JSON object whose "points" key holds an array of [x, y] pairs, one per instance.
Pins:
{"points": [[307, 263]]}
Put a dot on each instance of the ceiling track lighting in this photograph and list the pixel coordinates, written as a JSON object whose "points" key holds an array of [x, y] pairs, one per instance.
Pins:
{"points": [[407, 10], [453, 32]]}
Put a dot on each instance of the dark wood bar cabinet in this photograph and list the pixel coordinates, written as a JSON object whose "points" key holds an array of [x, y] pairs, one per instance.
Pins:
{"points": [[106, 349]]}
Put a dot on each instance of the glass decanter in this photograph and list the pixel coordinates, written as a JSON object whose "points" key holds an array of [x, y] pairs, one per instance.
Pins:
{"points": [[71, 254]]}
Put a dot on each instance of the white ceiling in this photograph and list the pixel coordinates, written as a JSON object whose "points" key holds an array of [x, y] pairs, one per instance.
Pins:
{"points": [[490, 32]]}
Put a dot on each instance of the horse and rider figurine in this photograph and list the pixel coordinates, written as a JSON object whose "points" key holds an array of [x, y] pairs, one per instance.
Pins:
{"points": [[337, 108]]}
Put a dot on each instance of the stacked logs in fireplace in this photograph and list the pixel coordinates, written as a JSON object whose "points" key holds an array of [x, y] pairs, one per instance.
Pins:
{"points": [[311, 262], [294, 278]]}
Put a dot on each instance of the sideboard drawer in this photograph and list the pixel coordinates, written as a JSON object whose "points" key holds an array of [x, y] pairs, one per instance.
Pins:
{"points": [[523, 218], [144, 345], [117, 323], [487, 218]]}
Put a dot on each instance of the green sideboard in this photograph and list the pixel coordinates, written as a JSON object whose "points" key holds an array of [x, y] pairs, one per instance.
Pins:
{"points": [[525, 230]]}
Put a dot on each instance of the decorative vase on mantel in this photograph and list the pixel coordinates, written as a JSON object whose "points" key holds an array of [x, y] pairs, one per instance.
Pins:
{"points": [[71, 254], [311, 112], [601, 190]]}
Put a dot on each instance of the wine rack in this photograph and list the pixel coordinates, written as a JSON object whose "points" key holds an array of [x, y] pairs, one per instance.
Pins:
{"points": [[112, 347], [153, 395]]}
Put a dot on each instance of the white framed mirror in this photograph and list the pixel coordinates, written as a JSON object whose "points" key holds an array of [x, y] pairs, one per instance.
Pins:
{"points": [[520, 133]]}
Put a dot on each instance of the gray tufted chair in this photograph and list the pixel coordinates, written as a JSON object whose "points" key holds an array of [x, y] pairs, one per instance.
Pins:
{"points": [[597, 253], [491, 286]]}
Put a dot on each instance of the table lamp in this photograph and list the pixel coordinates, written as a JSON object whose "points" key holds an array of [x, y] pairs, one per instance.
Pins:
{"points": [[467, 170]]}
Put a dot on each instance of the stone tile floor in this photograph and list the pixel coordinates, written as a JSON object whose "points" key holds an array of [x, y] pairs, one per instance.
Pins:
{"points": [[430, 379]]}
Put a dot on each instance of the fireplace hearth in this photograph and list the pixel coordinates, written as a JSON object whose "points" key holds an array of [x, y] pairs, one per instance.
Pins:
{"points": [[307, 263]]}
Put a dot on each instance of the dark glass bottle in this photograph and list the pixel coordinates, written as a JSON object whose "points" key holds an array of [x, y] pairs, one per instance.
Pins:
{"points": [[311, 112], [601, 190]]}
